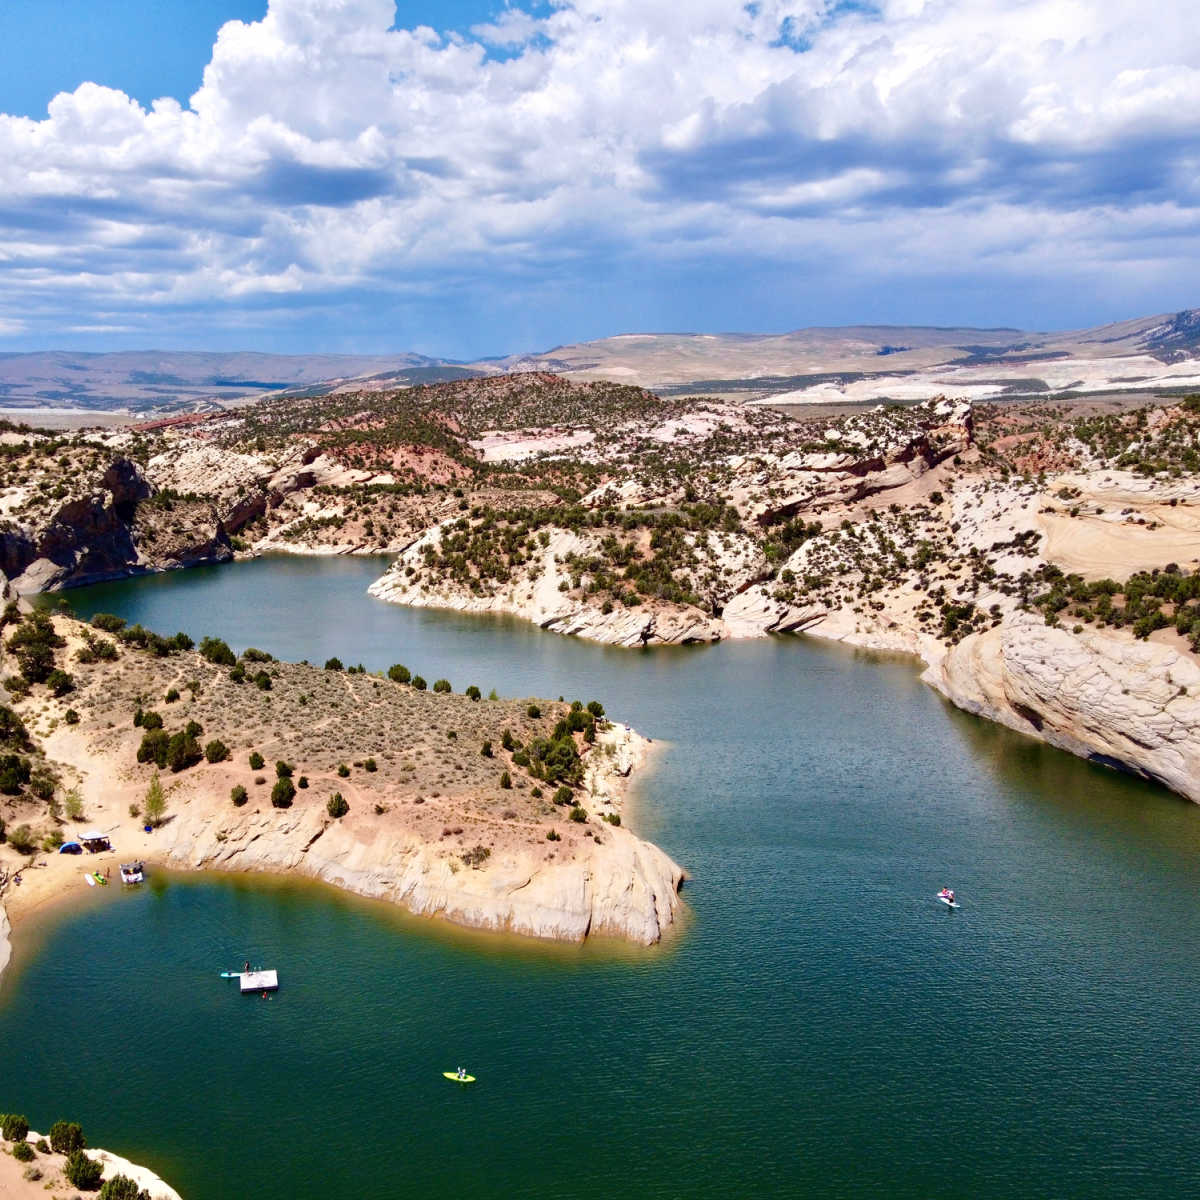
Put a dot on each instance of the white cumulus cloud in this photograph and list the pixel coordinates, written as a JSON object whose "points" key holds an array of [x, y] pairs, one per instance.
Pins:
{"points": [[333, 159]]}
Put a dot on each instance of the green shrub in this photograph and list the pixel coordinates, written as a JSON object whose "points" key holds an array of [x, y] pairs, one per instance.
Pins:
{"points": [[337, 805], [505, 780], [533, 712], [14, 774], [217, 651], [237, 673], [238, 795], [302, 782], [370, 765], [216, 751], [473, 693], [486, 749], [23, 1152], [14, 1128], [419, 683], [284, 770], [343, 771], [12, 729], [60, 683], [578, 815], [34, 644], [148, 719], [250, 654], [476, 856], [442, 685], [108, 622], [172, 695], [596, 709], [334, 664], [41, 784], [262, 681], [613, 818], [183, 751], [66, 1136], [22, 840], [283, 793], [256, 761], [154, 747], [83, 1172], [71, 717], [43, 1146], [564, 795], [121, 1187], [552, 836], [399, 673]]}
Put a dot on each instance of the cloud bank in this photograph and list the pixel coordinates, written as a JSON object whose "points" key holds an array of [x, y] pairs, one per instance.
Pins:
{"points": [[609, 164]]}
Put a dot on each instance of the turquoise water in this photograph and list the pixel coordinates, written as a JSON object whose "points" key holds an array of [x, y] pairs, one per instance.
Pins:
{"points": [[820, 1028]]}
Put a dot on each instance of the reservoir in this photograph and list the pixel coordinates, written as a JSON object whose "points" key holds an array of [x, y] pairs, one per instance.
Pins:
{"points": [[818, 1027]]}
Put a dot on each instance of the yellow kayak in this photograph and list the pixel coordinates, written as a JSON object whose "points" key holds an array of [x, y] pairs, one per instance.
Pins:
{"points": [[457, 1077]]}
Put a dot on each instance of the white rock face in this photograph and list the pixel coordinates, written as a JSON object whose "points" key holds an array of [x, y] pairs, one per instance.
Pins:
{"points": [[624, 887], [1129, 704], [203, 468]]}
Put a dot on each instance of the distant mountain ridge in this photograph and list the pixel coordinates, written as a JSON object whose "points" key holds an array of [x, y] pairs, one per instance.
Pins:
{"points": [[162, 379], [847, 364]]}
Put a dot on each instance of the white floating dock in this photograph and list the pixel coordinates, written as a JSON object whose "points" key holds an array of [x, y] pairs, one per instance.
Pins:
{"points": [[260, 981]]}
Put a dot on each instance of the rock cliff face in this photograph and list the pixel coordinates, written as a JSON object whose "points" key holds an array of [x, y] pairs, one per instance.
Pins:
{"points": [[104, 528], [5, 943], [1127, 704], [626, 888]]}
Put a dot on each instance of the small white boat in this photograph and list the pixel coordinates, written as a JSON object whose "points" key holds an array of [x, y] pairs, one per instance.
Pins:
{"points": [[947, 898], [133, 872]]}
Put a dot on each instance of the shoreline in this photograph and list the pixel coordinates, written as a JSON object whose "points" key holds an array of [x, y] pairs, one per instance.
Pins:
{"points": [[198, 844], [14, 1183]]}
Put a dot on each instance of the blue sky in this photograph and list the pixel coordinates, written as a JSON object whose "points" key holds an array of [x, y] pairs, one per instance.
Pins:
{"points": [[473, 177]]}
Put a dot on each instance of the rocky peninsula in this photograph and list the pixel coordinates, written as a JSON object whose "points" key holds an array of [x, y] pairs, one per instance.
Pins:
{"points": [[497, 814]]}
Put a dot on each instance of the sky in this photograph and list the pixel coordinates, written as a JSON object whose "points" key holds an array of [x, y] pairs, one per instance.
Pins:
{"points": [[474, 177]]}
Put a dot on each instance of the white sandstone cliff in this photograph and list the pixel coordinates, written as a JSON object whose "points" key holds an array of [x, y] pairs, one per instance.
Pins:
{"points": [[1129, 704]]}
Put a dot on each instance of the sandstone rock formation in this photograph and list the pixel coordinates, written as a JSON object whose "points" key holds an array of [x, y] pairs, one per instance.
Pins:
{"points": [[1127, 704], [626, 888], [105, 527]]}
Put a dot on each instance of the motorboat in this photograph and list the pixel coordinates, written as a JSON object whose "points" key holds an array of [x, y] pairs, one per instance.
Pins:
{"points": [[133, 872]]}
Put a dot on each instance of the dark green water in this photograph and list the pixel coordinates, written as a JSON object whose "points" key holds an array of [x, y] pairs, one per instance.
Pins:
{"points": [[822, 1027]]}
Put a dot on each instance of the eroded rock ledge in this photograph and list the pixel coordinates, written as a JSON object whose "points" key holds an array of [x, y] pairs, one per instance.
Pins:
{"points": [[1127, 704]]}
